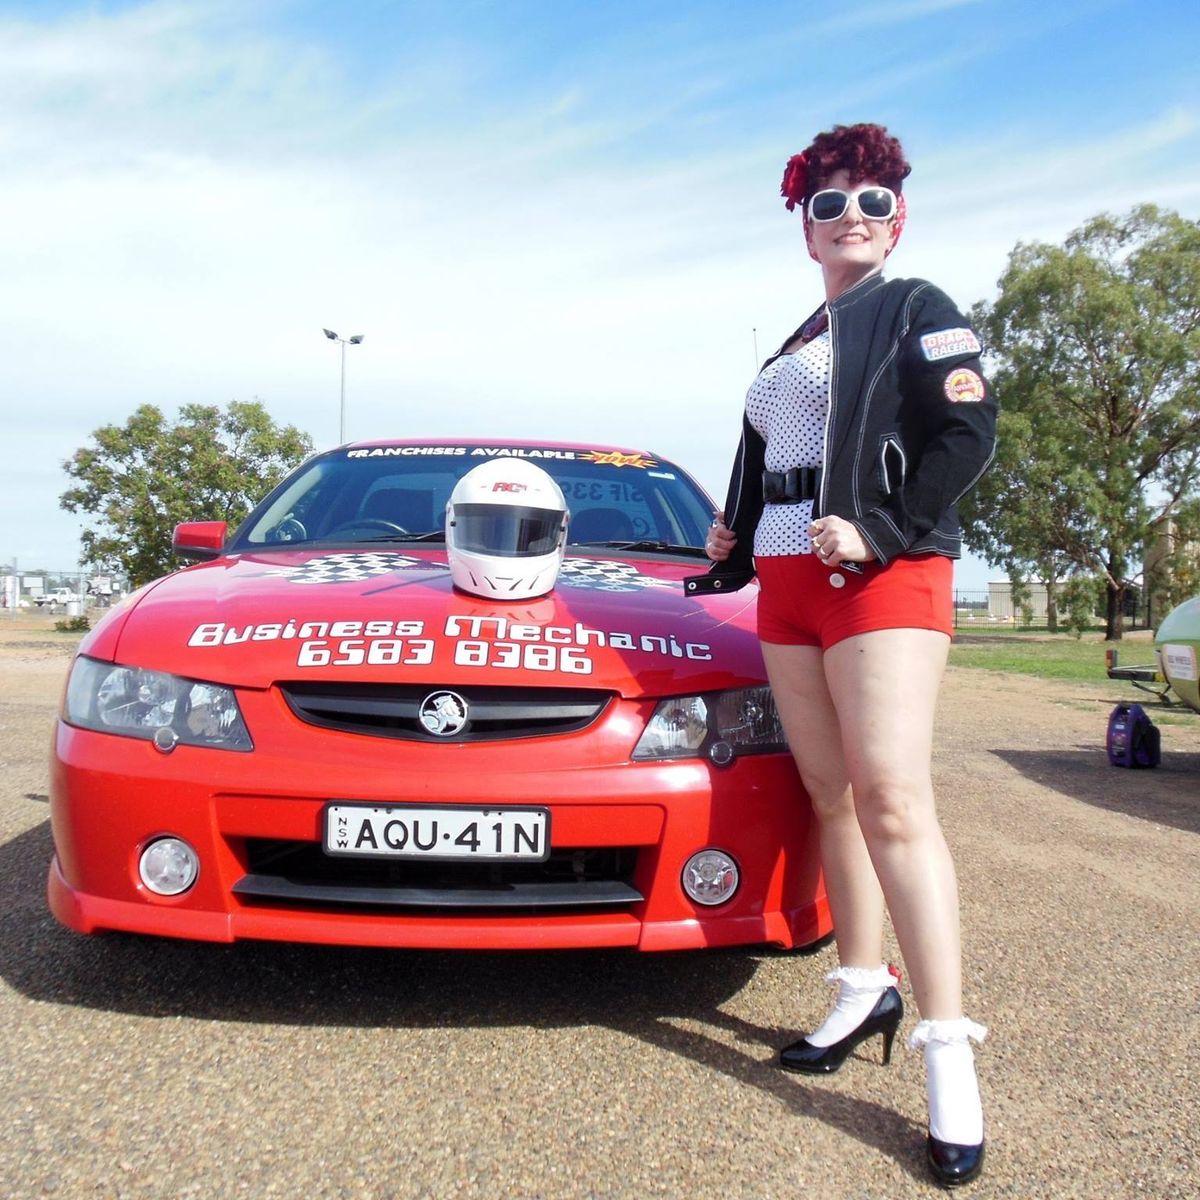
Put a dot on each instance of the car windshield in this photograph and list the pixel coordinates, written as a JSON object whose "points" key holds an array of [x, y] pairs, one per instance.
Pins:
{"points": [[399, 493]]}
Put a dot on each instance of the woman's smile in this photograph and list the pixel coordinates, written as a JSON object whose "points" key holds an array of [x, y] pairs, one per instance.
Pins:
{"points": [[851, 246]]}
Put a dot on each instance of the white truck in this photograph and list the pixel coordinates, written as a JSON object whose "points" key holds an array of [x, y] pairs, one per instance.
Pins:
{"points": [[56, 596]]}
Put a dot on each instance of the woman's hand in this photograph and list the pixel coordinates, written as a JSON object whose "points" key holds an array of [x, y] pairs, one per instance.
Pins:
{"points": [[720, 541], [836, 541]]}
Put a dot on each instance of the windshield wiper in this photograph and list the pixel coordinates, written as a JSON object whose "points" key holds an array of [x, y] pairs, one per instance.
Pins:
{"points": [[646, 544], [434, 535]]}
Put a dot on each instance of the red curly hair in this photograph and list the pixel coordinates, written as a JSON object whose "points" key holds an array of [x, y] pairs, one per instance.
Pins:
{"points": [[865, 151]]}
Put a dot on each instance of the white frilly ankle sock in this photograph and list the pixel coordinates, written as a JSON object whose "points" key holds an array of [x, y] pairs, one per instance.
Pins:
{"points": [[955, 1110], [859, 989]]}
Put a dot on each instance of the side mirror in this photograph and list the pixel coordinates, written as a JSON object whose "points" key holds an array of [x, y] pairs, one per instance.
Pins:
{"points": [[199, 540]]}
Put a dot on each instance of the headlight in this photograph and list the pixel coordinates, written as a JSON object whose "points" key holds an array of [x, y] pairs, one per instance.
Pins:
{"points": [[721, 725], [137, 703]]}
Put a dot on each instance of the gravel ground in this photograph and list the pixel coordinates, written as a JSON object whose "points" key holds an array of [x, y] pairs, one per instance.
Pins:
{"points": [[142, 1068]]}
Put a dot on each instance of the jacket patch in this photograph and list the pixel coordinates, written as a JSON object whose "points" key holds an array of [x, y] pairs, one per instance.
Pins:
{"points": [[964, 385], [948, 342]]}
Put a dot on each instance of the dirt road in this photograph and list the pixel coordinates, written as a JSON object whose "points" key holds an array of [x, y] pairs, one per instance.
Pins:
{"points": [[141, 1068]]}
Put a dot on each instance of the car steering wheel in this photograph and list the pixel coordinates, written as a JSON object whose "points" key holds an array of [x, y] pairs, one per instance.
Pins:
{"points": [[369, 522], [289, 530]]}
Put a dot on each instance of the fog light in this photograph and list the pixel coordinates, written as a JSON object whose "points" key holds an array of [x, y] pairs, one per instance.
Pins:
{"points": [[165, 739], [721, 754], [168, 866], [710, 877]]}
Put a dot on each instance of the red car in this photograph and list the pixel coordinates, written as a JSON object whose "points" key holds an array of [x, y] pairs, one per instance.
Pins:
{"points": [[314, 736]]}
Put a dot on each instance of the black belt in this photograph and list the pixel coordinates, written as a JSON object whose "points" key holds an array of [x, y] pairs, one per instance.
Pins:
{"points": [[790, 487]]}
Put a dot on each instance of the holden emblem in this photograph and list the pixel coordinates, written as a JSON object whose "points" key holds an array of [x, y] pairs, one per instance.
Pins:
{"points": [[443, 713]]}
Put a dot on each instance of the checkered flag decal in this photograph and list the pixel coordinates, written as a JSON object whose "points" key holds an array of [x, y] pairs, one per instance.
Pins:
{"points": [[604, 575], [348, 568]]}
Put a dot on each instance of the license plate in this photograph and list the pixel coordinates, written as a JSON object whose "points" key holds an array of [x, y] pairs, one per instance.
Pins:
{"points": [[426, 831]]}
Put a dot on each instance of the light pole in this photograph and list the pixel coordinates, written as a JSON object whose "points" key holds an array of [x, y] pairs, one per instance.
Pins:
{"points": [[353, 341]]}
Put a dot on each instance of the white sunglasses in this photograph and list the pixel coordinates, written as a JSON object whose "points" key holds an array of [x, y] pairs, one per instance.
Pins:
{"points": [[830, 204]]}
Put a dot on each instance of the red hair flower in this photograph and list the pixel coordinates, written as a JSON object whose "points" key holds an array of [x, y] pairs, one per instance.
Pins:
{"points": [[795, 180]]}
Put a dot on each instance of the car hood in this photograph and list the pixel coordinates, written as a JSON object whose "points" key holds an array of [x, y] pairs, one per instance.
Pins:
{"points": [[619, 624]]}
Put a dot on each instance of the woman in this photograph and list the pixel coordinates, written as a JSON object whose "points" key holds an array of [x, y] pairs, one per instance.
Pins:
{"points": [[859, 437]]}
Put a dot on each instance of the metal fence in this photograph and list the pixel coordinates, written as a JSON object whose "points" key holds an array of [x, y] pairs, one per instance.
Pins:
{"points": [[994, 609], [58, 591], [77, 591], [971, 610]]}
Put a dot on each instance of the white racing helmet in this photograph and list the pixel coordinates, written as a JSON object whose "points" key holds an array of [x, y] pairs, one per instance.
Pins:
{"points": [[506, 530]]}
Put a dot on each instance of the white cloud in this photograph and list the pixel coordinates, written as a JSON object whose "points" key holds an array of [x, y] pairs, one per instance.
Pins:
{"points": [[877, 16]]}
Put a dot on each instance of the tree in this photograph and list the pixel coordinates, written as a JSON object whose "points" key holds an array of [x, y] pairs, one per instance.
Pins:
{"points": [[1097, 352], [142, 478]]}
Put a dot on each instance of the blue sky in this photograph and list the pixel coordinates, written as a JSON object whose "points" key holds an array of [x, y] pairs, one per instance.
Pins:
{"points": [[549, 219]]}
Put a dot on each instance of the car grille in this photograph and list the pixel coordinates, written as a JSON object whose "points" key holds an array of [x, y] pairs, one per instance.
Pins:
{"points": [[393, 710], [300, 872]]}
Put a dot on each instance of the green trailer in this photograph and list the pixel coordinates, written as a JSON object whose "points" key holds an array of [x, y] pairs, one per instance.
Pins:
{"points": [[1177, 644]]}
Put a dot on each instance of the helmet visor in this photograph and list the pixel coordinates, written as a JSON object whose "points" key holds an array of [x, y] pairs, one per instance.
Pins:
{"points": [[506, 531]]}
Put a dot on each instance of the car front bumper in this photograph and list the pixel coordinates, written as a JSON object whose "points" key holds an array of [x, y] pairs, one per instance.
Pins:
{"points": [[112, 796]]}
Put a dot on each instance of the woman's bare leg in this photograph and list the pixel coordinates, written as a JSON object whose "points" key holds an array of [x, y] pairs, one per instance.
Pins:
{"points": [[806, 710], [884, 687]]}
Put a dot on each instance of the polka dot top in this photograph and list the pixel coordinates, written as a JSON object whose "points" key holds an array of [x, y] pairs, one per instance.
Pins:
{"points": [[788, 404]]}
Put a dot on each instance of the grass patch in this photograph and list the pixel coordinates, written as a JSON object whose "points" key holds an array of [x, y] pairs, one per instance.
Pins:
{"points": [[1171, 716], [1048, 656], [1061, 656]]}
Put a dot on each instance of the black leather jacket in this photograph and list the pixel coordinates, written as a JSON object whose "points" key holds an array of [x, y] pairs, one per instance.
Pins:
{"points": [[911, 428]]}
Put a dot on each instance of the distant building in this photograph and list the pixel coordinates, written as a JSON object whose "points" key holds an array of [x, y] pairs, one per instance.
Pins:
{"points": [[1165, 552], [1145, 599], [1001, 607]]}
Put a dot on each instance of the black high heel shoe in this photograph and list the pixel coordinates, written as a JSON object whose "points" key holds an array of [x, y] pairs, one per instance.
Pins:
{"points": [[884, 1018], [951, 1164], [952, 1096]]}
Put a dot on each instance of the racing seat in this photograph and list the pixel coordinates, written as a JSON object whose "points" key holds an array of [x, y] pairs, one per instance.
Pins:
{"points": [[410, 508], [600, 525]]}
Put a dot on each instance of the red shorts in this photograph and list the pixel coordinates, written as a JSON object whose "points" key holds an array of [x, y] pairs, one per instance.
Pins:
{"points": [[805, 603]]}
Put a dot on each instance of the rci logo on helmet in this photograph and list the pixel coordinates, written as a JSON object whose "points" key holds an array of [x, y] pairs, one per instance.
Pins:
{"points": [[506, 530], [1133, 739]]}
